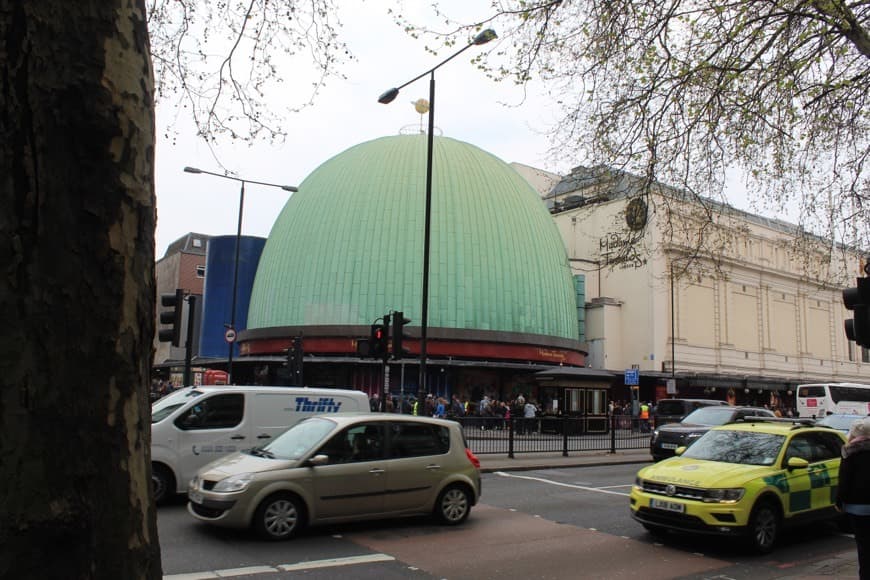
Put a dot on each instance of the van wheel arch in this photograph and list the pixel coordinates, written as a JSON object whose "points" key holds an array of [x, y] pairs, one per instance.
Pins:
{"points": [[163, 482]]}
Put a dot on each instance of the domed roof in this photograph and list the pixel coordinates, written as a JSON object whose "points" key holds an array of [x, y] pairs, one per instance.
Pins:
{"points": [[348, 246]]}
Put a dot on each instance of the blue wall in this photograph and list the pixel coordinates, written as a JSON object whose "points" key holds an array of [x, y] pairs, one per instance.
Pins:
{"points": [[218, 289]]}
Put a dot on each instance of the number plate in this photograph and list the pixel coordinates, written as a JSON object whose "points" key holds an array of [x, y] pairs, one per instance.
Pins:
{"points": [[671, 506], [195, 497], [669, 445]]}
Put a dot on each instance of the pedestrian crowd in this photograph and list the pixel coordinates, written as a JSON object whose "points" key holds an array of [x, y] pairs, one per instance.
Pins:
{"points": [[493, 413], [160, 388]]}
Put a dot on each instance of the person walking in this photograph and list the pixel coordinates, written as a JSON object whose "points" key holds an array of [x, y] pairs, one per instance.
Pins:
{"points": [[457, 407], [529, 413], [644, 417], [853, 491], [440, 408]]}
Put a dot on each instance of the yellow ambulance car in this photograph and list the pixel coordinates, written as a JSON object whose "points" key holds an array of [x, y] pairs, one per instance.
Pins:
{"points": [[745, 480]]}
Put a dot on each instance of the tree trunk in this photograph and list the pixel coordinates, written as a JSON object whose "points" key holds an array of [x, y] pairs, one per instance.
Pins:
{"points": [[77, 215]]}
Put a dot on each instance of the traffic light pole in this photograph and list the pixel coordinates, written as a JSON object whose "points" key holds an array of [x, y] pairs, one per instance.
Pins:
{"points": [[300, 356], [295, 357], [188, 344], [386, 386], [387, 97]]}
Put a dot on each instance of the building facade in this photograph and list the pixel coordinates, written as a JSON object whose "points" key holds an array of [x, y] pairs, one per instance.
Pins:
{"points": [[505, 313], [722, 302], [693, 297], [348, 250], [181, 267]]}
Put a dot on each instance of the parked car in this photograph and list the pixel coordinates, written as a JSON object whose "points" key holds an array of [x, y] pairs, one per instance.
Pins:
{"points": [[339, 468], [745, 480], [673, 410], [839, 421], [667, 438]]}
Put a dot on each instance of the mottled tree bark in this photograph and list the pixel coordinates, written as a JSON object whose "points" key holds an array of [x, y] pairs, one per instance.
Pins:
{"points": [[77, 215]]}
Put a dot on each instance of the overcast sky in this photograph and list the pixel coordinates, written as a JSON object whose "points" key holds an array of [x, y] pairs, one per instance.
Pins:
{"points": [[469, 107]]}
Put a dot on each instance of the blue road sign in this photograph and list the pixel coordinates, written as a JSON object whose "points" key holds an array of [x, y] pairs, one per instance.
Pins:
{"points": [[632, 377]]}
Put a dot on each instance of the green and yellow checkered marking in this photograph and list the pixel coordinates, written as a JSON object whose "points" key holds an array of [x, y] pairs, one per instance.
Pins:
{"points": [[820, 494]]}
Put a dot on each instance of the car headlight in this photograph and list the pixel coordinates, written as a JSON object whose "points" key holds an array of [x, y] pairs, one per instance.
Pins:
{"points": [[655, 435], [638, 483], [234, 483], [725, 495], [693, 436], [194, 483]]}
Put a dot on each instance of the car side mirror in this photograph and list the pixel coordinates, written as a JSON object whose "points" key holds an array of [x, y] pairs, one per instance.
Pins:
{"points": [[319, 459], [797, 463], [680, 450]]}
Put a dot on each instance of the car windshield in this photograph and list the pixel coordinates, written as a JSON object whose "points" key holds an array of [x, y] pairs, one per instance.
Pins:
{"points": [[732, 446], [298, 440], [709, 416], [164, 407]]}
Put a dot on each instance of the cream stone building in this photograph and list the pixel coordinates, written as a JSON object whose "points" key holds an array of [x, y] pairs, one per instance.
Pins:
{"points": [[723, 302]]}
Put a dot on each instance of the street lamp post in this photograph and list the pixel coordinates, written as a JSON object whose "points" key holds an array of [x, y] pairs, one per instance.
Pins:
{"points": [[232, 324], [388, 97]]}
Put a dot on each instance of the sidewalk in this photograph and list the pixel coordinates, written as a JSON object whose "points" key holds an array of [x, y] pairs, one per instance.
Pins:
{"points": [[554, 460], [843, 565]]}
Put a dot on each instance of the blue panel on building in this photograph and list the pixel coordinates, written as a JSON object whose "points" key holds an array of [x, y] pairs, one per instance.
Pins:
{"points": [[218, 290]]}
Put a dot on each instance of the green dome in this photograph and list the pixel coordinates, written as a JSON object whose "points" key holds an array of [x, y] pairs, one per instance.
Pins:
{"points": [[348, 247]]}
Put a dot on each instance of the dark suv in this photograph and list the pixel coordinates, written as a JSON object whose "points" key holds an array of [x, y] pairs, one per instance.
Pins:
{"points": [[666, 438], [673, 410]]}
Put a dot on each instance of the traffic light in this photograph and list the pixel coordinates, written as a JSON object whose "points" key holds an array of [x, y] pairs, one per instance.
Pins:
{"points": [[300, 354], [173, 305], [399, 322], [858, 300], [291, 353], [380, 338], [295, 354]]}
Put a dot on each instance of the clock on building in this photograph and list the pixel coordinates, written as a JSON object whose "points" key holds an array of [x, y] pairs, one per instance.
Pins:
{"points": [[635, 214]]}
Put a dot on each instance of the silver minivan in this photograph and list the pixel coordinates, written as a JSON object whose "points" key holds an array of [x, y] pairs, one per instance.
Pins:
{"points": [[340, 468]]}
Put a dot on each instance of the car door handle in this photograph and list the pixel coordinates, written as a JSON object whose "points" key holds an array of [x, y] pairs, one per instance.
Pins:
{"points": [[264, 436], [237, 437], [433, 467], [376, 471]]}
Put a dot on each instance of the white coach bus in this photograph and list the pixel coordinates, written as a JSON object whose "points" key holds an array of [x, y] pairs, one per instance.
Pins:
{"points": [[822, 399]]}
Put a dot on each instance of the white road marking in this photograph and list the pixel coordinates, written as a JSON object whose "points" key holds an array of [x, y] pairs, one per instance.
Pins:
{"points": [[251, 570], [367, 559], [560, 484]]}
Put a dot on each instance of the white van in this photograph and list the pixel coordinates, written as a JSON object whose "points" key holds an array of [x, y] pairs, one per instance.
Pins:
{"points": [[196, 425]]}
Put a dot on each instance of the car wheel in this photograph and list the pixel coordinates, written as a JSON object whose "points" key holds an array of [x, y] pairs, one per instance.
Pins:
{"points": [[764, 525], [163, 483], [453, 505], [279, 517]]}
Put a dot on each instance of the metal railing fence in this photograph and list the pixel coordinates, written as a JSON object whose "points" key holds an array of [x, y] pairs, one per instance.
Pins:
{"points": [[494, 435]]}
